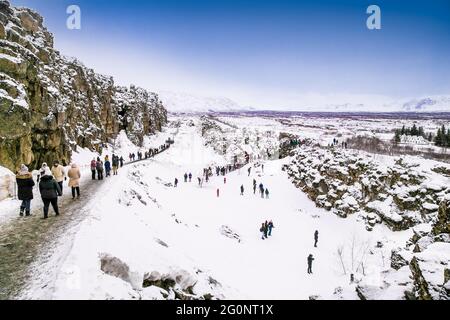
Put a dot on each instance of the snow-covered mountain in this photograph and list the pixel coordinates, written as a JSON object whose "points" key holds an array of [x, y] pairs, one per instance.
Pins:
{"points": [[428, 104], [188, 103], [421, 104], [183, 102]]}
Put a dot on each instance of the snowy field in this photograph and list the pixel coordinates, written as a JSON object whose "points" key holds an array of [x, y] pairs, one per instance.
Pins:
{"points": [[146, 239]]}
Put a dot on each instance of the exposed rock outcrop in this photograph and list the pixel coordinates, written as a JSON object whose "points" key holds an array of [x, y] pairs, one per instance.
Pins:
{"points": [[49, 104], [399, 194]]}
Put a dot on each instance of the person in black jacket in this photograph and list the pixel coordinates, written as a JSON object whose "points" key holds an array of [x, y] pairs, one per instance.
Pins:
{"points": [[25, 186], [310, 261], [50, 191], [316, 238]]}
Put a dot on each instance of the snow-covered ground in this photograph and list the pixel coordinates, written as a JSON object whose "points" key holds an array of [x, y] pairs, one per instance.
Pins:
{"points": [[145, 239], [182, 233]]}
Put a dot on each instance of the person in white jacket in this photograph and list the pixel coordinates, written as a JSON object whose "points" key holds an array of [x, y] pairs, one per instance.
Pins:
{"points": [[59, 174]]}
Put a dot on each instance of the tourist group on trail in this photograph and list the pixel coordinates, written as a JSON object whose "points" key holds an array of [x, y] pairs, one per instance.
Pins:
{"points": [[51, 179]]}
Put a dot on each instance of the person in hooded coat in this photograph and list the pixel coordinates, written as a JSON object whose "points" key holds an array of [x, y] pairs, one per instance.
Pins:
{"points": [[242, 190], [42, 171], [49, 189], [74, 180], [25, 186]]}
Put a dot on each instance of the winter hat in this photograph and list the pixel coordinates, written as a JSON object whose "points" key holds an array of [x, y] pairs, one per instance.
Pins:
{"points": [[23, 169]]}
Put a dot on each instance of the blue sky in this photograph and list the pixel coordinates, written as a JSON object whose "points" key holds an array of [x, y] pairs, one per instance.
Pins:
{"points": [[262, 53]]}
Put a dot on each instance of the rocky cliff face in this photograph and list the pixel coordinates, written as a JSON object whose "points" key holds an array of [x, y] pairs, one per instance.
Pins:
{"points": [[49, 104]]}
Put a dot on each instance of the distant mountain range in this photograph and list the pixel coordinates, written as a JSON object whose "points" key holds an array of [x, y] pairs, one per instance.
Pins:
{"points": [[187, 103]]}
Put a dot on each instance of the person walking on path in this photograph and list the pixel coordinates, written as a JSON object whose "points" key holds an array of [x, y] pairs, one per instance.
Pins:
{"points": [[266, 228], [176, 182], [242, 190], [59, 174], [225, 180], [99, 168], [270, 227], [249, 171], [262, 230], [93, 168], [310, 261], [185, 177], [121, 161], [218, 192], [25, 186], [74, 180], [261, 190], [49, 189], [316, 238], [115, 164], [107, 167], [267, 193], [190, 177]]}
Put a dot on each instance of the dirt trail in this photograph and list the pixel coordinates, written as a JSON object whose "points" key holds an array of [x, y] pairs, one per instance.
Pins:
{"points": [[24, 240]]}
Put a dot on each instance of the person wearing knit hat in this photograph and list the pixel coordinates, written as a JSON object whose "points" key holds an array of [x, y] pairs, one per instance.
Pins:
{"points": [[25, 186], [50, 191]]}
